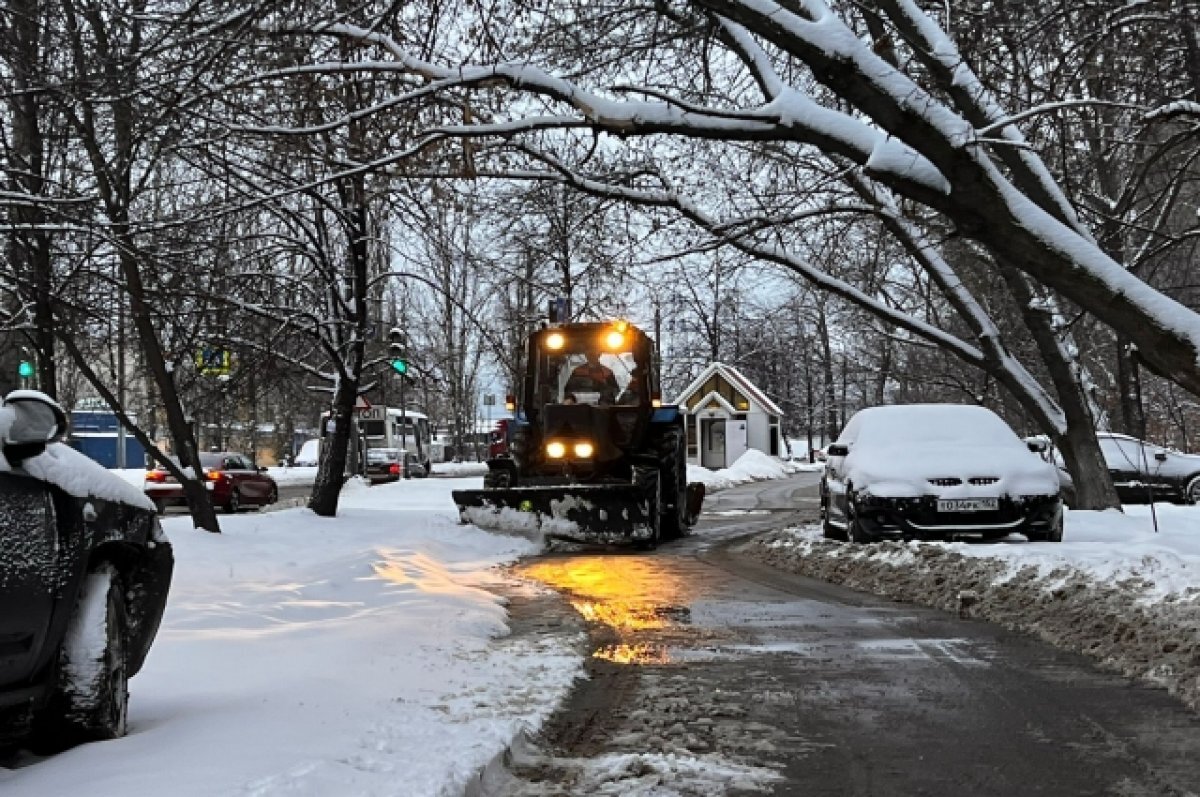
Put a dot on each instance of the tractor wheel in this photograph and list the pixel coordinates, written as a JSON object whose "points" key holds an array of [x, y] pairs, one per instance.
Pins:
{"points": [[651, 483], [672, 457], [499, 479]]}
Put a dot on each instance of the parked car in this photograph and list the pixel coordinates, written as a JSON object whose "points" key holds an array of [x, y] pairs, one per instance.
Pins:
{"points": [[232, 479], [384, 465], [309, 454], [1142, 472], [392, 464], [414, 467], [84, 577], [936, 471]]}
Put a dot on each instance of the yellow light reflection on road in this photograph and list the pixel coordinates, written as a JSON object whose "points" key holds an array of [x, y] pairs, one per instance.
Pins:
{"points": [[625, 593], [620, 615], [633, 654]]}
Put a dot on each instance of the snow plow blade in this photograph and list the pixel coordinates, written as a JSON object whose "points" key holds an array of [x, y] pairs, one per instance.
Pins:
{"points": [[611, 513]]}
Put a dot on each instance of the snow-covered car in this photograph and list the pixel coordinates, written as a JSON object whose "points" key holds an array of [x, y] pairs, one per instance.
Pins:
{"points": [[309, 454], [1143, 472], [936, 471], [84, 574]]}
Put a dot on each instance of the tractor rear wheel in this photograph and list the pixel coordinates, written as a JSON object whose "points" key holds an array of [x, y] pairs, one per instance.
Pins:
{"points": [[651, 484], [672, 457]]}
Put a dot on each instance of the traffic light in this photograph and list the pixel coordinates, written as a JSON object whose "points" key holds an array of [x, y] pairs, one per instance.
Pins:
{"points": [[25, 369], [397, 356]]}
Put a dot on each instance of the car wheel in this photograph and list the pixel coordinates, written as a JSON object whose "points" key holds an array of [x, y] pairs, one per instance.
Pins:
{"points": [[1191, 495], [832, 532], [1056, 533], [91, 702], [234, 503], [854, 529], [273, 496]]}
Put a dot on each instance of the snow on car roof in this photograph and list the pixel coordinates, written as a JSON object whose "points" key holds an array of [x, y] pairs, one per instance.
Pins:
{"points": [[928, 423], [71, 471], [896, 450]]}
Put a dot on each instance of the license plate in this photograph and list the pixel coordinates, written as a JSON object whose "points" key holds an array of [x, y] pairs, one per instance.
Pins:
{"points": [[968, 504]]}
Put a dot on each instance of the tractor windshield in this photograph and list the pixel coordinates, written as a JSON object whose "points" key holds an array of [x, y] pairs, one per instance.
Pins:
{"points": [[579, 370]]}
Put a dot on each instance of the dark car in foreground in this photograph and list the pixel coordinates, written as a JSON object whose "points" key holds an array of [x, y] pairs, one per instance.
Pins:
{"points": [[232, 480], [936, 471], [84, 574]]}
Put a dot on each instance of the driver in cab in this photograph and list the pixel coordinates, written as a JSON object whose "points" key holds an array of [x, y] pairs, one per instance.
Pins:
{"points": [[593, 376]]}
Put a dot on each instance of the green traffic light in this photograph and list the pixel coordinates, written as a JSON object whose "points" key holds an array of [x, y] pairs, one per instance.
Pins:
{"points": [[25, 369], [400, 366]]}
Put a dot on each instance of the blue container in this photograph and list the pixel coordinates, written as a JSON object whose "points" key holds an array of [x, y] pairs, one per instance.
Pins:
{"points": [[94, 434]]}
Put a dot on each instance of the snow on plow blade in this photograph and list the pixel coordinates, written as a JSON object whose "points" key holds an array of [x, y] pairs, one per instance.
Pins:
{"points": [[582, 513]]}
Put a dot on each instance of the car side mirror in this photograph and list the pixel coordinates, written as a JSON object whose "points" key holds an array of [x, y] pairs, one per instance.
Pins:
{"points": [[36, 419], [837, 450], [1161, 456]]}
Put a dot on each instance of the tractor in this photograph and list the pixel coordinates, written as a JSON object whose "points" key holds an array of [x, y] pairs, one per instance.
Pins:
{"points": [[592, 454]]}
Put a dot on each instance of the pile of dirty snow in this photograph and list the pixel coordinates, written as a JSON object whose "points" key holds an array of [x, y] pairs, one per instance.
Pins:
{"points": [[1114, 590]]}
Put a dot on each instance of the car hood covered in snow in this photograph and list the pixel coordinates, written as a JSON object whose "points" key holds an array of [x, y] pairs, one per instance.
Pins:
{"points": [[949, 471]]}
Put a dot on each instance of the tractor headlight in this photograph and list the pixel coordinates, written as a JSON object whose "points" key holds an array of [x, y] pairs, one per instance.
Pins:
{"points": [[584, 450], [555, 341], [556, 450], [615, 340]]}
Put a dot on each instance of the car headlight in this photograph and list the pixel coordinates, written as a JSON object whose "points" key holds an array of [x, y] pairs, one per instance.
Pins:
{"points": [[556, 450], [584, 450]]}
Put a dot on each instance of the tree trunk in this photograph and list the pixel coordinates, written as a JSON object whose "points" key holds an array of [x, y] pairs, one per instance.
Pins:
{"points": [[1129, 388], [29, 244], [327, 488], [1081, 452]]}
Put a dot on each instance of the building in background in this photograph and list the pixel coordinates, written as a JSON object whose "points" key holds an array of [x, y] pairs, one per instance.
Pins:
{"points": [[726, 415]]}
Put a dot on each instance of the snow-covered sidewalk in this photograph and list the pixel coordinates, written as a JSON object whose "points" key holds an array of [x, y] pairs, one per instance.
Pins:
{"points": [[307, 656]]}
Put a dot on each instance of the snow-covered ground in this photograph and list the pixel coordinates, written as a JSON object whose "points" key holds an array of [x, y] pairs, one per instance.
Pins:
{"points": [[305, 656], [369, 653]]}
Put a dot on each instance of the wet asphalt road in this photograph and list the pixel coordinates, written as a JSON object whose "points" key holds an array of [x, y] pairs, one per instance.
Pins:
{"points": [[739, 679]]}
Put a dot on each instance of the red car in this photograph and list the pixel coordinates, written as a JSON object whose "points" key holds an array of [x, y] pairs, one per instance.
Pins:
{"points": [[231, 478]]}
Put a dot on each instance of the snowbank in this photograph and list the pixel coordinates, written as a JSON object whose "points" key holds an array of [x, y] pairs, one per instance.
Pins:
{"points": [[753, 466], [459, 468]]}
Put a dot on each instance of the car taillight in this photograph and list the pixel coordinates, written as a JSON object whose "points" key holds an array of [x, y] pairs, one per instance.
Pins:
{"points": [[394, 469], [214, 475], [155, 476]]}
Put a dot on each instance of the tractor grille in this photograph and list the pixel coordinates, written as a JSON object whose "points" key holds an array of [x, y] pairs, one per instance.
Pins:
{"points": [[982, 480], [946, 481]]}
